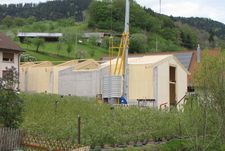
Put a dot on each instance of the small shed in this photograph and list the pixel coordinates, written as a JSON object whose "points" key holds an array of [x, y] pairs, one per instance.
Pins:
{"points": [[158, 80]]}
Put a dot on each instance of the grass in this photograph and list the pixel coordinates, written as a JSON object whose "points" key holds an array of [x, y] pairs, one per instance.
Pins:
{"points": [[52, 52], [54, 117], [45, 57]]}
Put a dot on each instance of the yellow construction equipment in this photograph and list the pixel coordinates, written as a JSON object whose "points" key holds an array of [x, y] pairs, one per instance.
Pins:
{"points": [[119, 68]]}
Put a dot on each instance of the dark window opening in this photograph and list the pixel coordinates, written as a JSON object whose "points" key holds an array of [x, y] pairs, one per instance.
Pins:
{"points": [[8, 57], [191, 89], [172, 74]]}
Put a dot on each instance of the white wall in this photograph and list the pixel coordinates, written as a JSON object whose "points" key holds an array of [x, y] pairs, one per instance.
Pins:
{"points": [[163, 82], [79, 83], [3, 64]]}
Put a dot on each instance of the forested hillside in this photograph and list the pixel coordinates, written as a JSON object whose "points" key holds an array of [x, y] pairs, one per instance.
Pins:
{"points": [[149, 30], [213, 27], [50, 10]]}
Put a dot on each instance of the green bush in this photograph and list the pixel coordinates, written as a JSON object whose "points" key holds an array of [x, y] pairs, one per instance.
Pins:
{"points": [[11, 107]]}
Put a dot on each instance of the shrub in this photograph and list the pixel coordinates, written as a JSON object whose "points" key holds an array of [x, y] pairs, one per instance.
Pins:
{"points": [[10, 104]]}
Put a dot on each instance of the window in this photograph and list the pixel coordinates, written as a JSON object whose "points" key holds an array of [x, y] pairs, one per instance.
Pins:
{"points": [[8, 57]]}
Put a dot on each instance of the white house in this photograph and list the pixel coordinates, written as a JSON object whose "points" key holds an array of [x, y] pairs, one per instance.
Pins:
{"points": [[9, 54]]}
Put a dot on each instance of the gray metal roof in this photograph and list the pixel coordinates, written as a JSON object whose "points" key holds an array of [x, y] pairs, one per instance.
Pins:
{"points": [[184, 58], [20, 34]]}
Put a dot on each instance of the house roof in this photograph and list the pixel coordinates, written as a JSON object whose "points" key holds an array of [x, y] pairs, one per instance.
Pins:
{"points": [[184, 58], [187, 58], [93, 34], [7, 44], [33, 34], [150, 60]]}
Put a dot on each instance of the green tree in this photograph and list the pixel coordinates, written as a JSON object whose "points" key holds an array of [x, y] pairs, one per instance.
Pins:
{"points": [[8, 21], [204, 113], [19, 21], [11, 105], [30, 20], [27, 41], [69, 48], [212, 38], [138, 43], [38, 42], [59, 45], [80, 54]]}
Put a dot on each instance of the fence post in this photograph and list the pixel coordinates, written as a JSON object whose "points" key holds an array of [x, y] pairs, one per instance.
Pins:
{"points": [[78, 129]]}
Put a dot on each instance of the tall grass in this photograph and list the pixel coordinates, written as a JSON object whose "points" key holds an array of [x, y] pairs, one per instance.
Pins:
{"points": [[55, 117]]}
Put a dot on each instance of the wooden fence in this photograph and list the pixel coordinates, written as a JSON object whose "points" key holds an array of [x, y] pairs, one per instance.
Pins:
{"points": [[11, 139]]}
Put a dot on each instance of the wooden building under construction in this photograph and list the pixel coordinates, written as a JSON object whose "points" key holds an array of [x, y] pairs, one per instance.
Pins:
{"points": [[157, 81]]}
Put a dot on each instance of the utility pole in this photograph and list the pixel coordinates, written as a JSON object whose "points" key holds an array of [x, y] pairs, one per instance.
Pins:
{"points": [[160, 6], [156, 41], [126, 31]]}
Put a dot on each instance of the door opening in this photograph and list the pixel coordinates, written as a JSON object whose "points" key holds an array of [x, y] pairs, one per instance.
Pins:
{"points": [[172, 87]]}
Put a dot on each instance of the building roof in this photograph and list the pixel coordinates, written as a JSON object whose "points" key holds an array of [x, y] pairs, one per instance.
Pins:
{"points": [[94, 34], [152, 60], [68, 63], [87, 65], [184, 58], [43, 64], [148, 59], [7, 44], [34, 34], [27, 64]]}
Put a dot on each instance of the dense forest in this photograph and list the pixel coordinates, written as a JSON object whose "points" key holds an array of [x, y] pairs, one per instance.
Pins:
{"points": [[214, 27], [150, 31], [50, 10]]}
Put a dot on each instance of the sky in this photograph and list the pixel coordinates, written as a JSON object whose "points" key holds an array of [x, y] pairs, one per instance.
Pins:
{"points": [[213, 9]]}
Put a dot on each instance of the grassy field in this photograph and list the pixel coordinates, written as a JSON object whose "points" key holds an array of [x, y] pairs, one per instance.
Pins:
{"points": [[55, 51], [54, 117], [45, 57]]}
